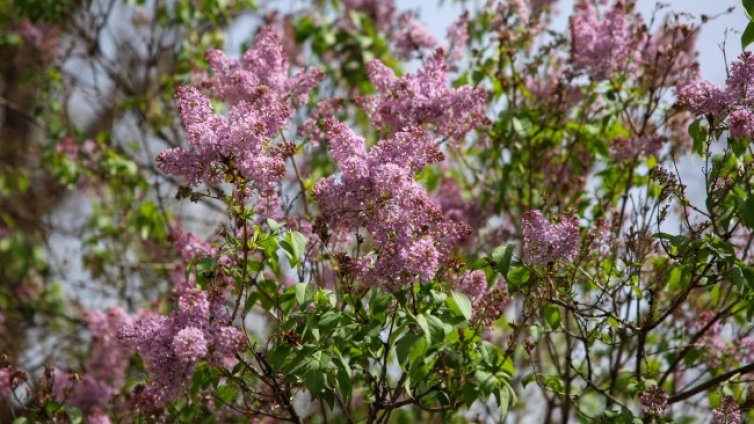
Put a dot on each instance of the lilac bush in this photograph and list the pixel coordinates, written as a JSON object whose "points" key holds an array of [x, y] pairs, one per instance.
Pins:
{"points": [[355, 220]]}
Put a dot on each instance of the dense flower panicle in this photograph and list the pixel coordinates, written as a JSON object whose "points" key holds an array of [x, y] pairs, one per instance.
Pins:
{"points": [[455, 208], [376, 190], [458, 37], [605, 46], [490, 307], [704, 98], [171, 344], [654, 402], [10, 378], [104, 372], [669, 55], [473, 284], [424, 99], [545, 243], [189, 345], [740, 81], [190, 246], [741, 123], [727, 413], [259, 91], [313, 127], [381, 12], [411, 36], [626, 149]]}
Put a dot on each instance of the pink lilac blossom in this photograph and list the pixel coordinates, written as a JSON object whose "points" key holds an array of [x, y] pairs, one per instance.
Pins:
{"points": [[189, 345], [546, 243], [424, 99], [704, 98], [104, 372], [411, 36], [455, 208], [190, 246], [490, 307], [376, 190], [602, 47], [473, 284], [727, 413], [654, 402], [669, 55], [259, 91], [171, 344], [740, 81], [741, 123], [712, 341], [626, 149], [381, 12], [312, 127], [458, 37]]}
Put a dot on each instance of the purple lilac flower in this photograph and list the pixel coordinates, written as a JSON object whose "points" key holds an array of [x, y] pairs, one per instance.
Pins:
{"points": [[473, 284], [458, 37], [741, 123], [381, 12], [104, 372], [545, 243], [727, 413], [654, 402], [189, 345], [376, 190], [259, 91], [171, 344], [626, 149], [411, 36], [424, 99], [704, 98], [604, 46]]}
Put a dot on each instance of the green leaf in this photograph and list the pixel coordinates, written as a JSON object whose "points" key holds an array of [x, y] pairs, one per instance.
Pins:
{"points": [[504, 263], [746, 212], [748, 35], [294, 246], [404, 346], [424, 325], [748, 8], [304, 293], [463, 304], [551, 314], [736, 277], [697, 134]]}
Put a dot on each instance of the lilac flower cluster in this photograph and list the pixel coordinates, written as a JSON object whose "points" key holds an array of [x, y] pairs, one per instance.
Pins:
{"points": [[458, 37], [626, 149], [473, 284], [411, 36], [105, 370], [259, 92], [654, 402], [546, 243], [424, 99], [604, 46], [734, 100], [727, 413], [172, 344], [455, 208], [381, 12], [376, 190]]}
